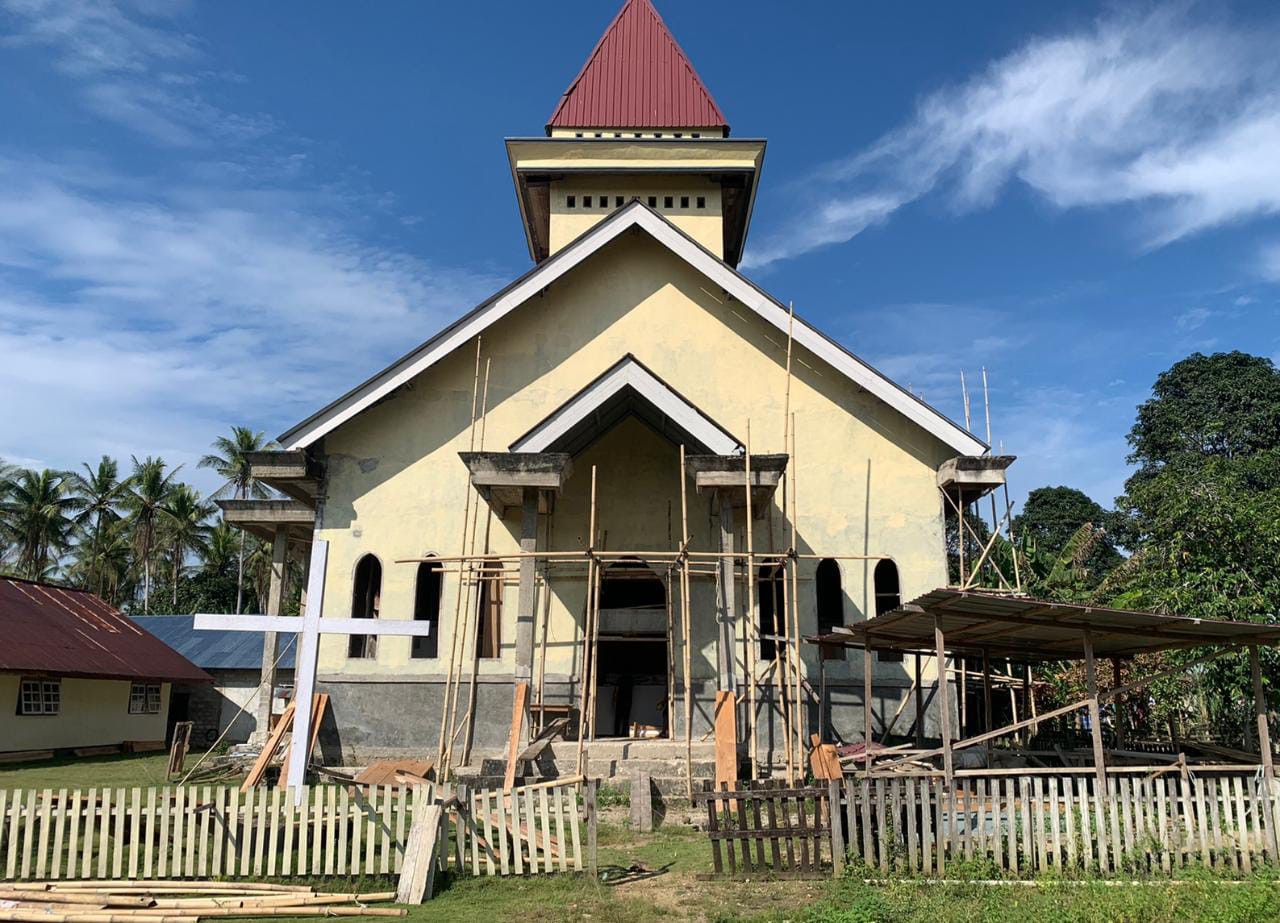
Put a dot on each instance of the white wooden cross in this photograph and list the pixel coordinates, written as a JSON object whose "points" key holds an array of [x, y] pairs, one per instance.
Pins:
{"points": [[309, 628]]}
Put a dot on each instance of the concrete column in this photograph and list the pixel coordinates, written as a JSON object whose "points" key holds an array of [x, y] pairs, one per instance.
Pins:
{"points": [[725, 608], [526, 603], [944, 701], [270, 643]]}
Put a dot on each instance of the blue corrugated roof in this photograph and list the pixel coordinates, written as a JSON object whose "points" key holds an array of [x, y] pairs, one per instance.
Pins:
{"points": [[211, 650]]}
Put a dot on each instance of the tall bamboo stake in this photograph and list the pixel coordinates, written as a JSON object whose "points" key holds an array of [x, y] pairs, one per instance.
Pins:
{"points": [[795, 598], [779, 671], [786, 399], [587, 625], [752, 631], [448, 705], [685, 625], [468, 614]]}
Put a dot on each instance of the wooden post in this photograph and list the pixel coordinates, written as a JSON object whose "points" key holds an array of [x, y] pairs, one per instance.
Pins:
{"points": [[270, 641], [589, 808], [1260, 712], [642, 803], [987, 723], [919, 694], [726, 726], [1116, 703], [944, 702], [1095, 714], [867, 716]]}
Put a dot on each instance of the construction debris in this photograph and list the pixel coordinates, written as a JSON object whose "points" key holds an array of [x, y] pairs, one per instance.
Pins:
{"points": [[172, 901]]}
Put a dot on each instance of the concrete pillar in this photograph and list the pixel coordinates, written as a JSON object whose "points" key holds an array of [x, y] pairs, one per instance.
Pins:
{"points": [[725, 608], [526, 602], [270, 643]]}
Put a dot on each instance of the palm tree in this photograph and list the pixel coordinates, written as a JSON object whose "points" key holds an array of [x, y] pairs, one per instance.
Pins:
{"points": [[230, 458], [184, 529], [149, 490], [220, 552], [111, 564], [101, 490], [36, 510]]}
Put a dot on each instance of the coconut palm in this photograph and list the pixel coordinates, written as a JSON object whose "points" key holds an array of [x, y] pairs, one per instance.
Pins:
{"points": [[149, 490], [184, 530], [111, 564], [101, 491], [220, 551], [36, 510], [230, 459]]}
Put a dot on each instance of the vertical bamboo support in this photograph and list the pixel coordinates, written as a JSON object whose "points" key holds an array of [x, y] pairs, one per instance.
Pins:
{"points": [[867, 716], [686, 621], [752, 626], [449, 704], [1095, 716], [1260, 714], [583, 697], [987, 723], [792, 480], [671, 657], [919, 694], [472, 687]]}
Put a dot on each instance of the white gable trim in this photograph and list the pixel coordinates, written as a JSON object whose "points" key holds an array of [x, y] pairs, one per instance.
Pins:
{"points": [[627, 373], [635, 214]]}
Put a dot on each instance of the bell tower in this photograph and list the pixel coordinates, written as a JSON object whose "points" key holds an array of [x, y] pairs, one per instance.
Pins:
{"points": [[637, 123]]}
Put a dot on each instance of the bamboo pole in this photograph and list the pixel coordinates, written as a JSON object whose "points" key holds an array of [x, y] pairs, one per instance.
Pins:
{"points": [[793, 481], [686, 623], [450, 705], [586, 627], [753, 649], [470, 723]]}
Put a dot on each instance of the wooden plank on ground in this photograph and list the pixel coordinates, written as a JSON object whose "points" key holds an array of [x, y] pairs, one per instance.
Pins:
{"points": [[259, 767], [726, 726], [519, 708], [319, 703], [417, 871]]}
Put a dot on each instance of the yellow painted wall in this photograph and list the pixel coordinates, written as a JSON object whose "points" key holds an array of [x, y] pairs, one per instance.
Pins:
{"points": [[705, 225], [94, 712], [395, 488]]}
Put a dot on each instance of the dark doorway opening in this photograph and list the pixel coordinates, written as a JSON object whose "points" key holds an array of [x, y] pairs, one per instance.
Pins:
{"points": [[631, 679]]}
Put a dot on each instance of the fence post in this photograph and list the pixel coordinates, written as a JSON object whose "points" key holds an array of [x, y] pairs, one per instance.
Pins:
{"points": [[589, 808], [834, 815]]}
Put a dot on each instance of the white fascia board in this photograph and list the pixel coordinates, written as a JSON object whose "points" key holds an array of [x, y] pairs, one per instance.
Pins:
{"points": [[633, 215], [628, 372]]}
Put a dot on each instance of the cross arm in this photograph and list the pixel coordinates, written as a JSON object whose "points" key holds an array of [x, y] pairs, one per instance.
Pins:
{"points": [[289, 623]]}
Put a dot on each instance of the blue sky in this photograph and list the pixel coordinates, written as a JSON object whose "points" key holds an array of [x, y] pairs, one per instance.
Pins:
{"points": [[217, 213]]}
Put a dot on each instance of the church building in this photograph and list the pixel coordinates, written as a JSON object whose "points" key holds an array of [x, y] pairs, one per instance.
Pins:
{"points": [[626, 487]]}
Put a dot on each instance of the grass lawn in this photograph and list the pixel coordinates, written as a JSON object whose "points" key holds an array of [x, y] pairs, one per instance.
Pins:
{"points": [[126, 769], [656, 877]]}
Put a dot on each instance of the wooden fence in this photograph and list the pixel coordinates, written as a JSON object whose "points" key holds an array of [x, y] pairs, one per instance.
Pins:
{"points": [[325, 830], [794, 822], [1025, 824]]}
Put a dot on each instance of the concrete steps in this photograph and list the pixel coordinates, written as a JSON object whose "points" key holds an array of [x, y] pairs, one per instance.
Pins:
{"points": [[614, 762]]}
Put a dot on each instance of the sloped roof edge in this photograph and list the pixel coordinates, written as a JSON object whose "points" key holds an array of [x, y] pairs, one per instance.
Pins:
{"points": [[635, 214]]}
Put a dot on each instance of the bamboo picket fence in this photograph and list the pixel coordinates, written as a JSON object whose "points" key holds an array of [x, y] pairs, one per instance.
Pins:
{"points": [[202, 831], [1031, 823]]}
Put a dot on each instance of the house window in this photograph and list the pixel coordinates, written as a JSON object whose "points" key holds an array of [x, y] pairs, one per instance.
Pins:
{"points": [[366, 597], [489, 618], [667, 201], [144, 699], [40, 697], [571, 201], [696, 134], [617, 201], [653, 201], [586, 201], [829, 597], [426, 608], [888, 593], [702, 201], [684, 201], [770, 584]]}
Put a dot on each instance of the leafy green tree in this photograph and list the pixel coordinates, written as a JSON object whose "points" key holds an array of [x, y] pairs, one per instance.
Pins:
{"points": [[149, 490], [1052, 519], [230, 459], [100, 491], [36, 516]]}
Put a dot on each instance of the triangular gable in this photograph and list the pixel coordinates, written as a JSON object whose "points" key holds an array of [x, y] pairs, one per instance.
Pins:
{"points": [[626, 388], [634, 215], [637, 76]]}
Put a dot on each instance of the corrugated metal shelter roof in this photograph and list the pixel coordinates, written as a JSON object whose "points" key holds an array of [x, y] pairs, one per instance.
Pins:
{"points": [[1026, 629], [67, 632], [637, 77], [212, 650]]}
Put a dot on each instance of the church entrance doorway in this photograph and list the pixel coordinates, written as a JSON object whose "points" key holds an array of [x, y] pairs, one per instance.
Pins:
{"points": [[631, 682]]}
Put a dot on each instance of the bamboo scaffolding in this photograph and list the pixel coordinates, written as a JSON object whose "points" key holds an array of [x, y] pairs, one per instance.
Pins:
{"points": [[686, 621], [793, 480], [753, 642], [449, 705], [586, 629], [468, 614]]}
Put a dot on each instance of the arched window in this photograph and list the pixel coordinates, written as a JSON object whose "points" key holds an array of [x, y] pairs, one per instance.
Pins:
{"points": [[770, 583], [365, 600], [489, 617], [829, 598], [888, 593], [426, 608]]}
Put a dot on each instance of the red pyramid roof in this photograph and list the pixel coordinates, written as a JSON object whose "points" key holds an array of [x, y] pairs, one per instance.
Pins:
{"points": [[637, 77]]}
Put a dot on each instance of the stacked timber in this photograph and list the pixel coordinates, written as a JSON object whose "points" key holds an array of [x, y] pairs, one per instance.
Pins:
{"points": [[171, 901]]}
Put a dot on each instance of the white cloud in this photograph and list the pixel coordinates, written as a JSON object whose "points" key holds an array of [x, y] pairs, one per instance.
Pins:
{"points": [[1176, 117], [1192, 318]]}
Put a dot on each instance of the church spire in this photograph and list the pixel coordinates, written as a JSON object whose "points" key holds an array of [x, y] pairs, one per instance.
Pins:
{"points": [[637, 77]]}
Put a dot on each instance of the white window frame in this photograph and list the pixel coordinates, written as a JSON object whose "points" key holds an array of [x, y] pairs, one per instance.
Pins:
{"points": [[39, 698], [144, 699]]}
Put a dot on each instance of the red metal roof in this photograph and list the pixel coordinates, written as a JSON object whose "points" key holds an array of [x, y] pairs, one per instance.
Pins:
{"points": [[50, 629], [637, 77]]}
